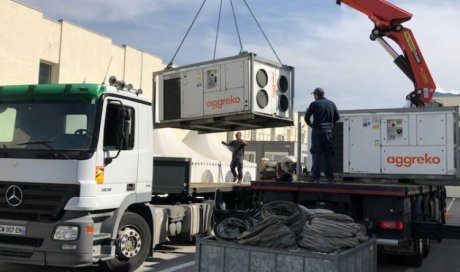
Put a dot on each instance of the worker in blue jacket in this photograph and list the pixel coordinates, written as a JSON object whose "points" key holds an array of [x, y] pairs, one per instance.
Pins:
{"points": [[325, 114]]}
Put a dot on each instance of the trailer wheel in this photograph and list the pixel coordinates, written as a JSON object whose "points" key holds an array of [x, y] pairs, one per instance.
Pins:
{"points": [[210, 222], [417, 259], [426, 209], [436, 209], [442, 196], [426, 247], [418, 209], [132, 244]]}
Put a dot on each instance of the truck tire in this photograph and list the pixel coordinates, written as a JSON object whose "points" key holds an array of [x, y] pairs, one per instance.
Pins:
{"points": [[442, 196], [417, 209], [417, 259], [426, 247], [210, 223], [436, 209], [426, 209], [132, 244]]}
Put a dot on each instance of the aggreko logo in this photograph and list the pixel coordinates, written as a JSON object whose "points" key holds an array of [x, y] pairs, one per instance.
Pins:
{"points": [[408, 161], [219, 103]]}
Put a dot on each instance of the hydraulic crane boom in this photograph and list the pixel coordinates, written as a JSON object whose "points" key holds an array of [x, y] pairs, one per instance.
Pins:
{"points": [[388, 19]]}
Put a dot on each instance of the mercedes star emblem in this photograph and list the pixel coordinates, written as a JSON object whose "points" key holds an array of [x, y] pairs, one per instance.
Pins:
{"points": [[14, 196]]}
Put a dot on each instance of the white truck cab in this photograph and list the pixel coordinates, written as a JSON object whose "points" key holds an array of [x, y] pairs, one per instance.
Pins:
{"points": [[75, 175]]}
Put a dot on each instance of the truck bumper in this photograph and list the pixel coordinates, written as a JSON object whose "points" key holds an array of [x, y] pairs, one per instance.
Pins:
{"points": [[37, 246], [45, 258]]}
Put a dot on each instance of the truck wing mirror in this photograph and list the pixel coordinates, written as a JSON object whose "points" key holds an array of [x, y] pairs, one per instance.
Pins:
{"points": [[108, 161]]}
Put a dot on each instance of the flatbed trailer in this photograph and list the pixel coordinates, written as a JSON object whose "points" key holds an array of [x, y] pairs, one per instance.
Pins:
{"points": [[200, 188], [388, 209], [361, 188]]}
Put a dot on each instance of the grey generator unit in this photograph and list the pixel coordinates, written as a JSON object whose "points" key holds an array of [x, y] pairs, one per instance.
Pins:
{"points": [[234, 93], [213, 256], [399, 143]]}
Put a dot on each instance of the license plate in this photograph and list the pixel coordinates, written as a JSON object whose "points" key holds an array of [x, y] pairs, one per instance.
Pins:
{"points": [[12, 230]]}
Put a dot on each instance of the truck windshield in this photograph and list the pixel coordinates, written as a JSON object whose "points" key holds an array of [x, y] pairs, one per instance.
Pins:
{"points": [[40, 126]]}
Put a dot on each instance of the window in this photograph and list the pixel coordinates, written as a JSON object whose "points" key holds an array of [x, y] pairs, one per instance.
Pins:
{"points": [[76, 123], [276, 156], [119, 128], [62, 126], [250, 156], [45, 73], [280, 137], [7, 124]]}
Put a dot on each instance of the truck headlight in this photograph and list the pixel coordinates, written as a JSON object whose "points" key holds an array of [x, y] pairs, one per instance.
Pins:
{"points": [[66, 233]]}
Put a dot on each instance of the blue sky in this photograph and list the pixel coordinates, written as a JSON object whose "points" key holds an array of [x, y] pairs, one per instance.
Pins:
{"points": [[326, 43]]}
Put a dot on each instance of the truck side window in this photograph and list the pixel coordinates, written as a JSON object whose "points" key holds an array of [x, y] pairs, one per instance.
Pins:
{"points": [[114, 125]]}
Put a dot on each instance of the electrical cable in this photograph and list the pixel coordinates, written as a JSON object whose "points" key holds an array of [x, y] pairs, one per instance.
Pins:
{"points": [[236, 26], [331, 232], [183, 39], [285, 212], [263, 33], [217, 30]]}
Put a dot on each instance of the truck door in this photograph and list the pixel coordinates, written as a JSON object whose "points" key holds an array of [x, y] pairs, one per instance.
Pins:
{"points": [[119, 145]]}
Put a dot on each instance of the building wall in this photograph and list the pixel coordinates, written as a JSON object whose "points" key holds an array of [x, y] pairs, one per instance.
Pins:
{"points": [[288, 134], [21, 33], [76, 54], [81, 55], [278, 140], [448, 100]]}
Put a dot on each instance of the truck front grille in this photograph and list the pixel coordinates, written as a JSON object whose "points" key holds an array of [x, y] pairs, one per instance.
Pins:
{"points": [[40, 203], [16, 254], [21, 241]]}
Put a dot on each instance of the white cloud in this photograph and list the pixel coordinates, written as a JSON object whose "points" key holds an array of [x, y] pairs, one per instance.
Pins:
{"points": [[328, 45], [356, 72]]}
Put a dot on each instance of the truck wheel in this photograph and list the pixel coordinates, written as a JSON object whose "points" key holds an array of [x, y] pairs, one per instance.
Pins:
{"points": [[426, 247], [132, 244], [210, 226], [441, 195], [417, 259], [418, 209], [210, 222], [426, 209], [436, 209]]}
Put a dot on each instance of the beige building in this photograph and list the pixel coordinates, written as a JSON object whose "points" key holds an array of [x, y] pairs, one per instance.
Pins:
{"points": [[35, 49]]}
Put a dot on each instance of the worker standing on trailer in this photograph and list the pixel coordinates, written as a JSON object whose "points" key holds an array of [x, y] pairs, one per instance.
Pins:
{"points": [[237, 148], [324, 114]]}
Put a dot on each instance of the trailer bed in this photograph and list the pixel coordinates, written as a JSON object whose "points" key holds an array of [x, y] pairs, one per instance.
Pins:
{"points": [[359, 188], [196, 187]]}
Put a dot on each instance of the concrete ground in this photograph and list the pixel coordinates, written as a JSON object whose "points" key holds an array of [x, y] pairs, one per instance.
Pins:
{"points": [[443, 256]]}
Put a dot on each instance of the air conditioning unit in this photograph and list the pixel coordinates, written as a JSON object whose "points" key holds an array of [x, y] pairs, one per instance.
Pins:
{"points": [[404, 143], [235, 93]]}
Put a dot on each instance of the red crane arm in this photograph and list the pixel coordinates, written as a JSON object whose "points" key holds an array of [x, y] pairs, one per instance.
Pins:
{"points": [[387, 19]]}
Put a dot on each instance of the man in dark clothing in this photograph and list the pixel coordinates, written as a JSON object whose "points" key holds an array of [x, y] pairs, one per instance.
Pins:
{"points": [[324, 114], [237, 148]]}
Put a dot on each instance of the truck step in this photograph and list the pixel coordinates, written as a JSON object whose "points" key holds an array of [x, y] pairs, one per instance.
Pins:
{"points": [[102, 257], [102, 236]]}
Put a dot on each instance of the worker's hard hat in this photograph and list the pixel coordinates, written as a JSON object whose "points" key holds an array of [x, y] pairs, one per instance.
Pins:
{"points": [[318, 91]]}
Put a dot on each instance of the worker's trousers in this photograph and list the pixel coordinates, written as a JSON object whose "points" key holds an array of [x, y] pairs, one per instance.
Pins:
{"points": [[322, 146], [238, 164]]}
